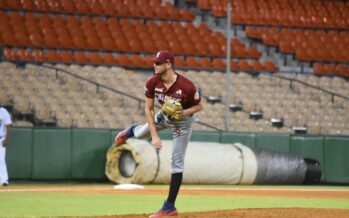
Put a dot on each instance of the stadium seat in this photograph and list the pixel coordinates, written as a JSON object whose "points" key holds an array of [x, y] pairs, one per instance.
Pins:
{"points": [[180, 62], [95, 58], [192, 62], [123, 60], [244, 66], [38, 56], [66, 56], [257, 66], [205, 63], [108, 58], [81, 57], [137, 61], [52, 56], [270, 66], [218, 64]]}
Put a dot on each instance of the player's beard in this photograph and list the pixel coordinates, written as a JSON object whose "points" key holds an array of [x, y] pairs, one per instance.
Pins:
{"points": [[160, 71]]}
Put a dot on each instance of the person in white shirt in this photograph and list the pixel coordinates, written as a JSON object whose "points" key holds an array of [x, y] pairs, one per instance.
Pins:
{"points": [[5, 130]]}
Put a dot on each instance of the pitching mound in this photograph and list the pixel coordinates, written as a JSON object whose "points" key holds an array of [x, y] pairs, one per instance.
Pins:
{"points": [[258, 213]]}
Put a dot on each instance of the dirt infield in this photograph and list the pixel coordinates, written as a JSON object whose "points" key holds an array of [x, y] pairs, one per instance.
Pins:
{"points": [[260, 213], [272, 192]]}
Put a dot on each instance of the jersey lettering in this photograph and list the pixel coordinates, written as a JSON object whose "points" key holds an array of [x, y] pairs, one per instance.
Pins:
{"points": [[182, 90]]}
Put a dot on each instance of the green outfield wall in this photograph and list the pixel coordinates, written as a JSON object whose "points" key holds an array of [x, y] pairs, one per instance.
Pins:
{"points": [[79, 154]]}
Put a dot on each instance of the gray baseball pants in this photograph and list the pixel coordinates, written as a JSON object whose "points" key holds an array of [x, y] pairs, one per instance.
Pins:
{"points": [[181, 131]]}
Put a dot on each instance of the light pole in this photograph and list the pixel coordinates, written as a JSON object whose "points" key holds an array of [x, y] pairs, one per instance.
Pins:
{"points": [[228, 73]]}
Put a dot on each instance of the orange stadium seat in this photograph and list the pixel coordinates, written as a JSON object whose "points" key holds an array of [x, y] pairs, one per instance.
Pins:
{"points": [[22, 39], [14, 4], [253, 52], [192, 62], [94, 43], [239, 52], [81, 57], [320, 69], [216, 50], [96, 58], [135, 45], [23, 54], [42, 5], [108, 58], [202, 48], [149, 46], [123, 60], [108, 44], [205, 62], [68, 6], [137, 61], [122, 44], [9, 54], [218, 64], [80, 42], [66, 56], [180, 62], [187, 15], [149, 60], [244, 66], [270, 66], [8, 39], [254, 32], [204, 5], [189, 48], [38, 55], [257, 66], [51, 41], [342, 70], [54, 6], [52, 56], [234, 66], [3, 5]]}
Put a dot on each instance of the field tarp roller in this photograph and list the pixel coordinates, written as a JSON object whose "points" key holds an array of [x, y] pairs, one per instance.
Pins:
{"points": [[208, 163]]}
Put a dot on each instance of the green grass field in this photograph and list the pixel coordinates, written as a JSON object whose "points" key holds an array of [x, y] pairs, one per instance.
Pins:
{"points": [[24, 201]]}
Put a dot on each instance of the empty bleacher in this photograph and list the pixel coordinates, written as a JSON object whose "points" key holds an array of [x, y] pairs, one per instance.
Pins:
{"points": [[282, 13], [73, 102], [54, 32]]}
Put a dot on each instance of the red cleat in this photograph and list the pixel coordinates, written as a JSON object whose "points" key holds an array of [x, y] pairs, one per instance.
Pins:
{"points": [[163, 213], [121, 138]]}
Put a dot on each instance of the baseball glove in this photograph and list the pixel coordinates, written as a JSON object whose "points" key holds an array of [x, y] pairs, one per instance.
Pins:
{"points": [[172, 109]]}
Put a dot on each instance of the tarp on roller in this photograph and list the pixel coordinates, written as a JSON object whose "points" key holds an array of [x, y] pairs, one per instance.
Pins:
{"points": [[205, 163]]}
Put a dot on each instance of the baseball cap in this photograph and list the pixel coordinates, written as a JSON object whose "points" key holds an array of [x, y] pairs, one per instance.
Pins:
{"points": [[164, 57]]}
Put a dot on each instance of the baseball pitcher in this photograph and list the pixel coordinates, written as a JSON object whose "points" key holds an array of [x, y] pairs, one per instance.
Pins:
{"points": [[180, 100]]}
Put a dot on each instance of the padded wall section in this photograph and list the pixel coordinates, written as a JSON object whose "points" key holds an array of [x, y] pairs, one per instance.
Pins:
{"points": [[273, 142], [51, 154], [205, 137], [89, 153], [165, 135], [309, 147], [19, 154], [337, 159], [248, 139]]}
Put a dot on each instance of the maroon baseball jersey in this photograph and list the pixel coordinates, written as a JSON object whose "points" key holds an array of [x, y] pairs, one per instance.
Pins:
{"points": [[182, 90]]}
